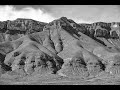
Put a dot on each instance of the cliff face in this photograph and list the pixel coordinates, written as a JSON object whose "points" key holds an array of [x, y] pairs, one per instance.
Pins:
{"points": [[60, 47], [10, 30]]}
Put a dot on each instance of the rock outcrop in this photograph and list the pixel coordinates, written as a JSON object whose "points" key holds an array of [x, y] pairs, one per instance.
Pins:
{"points": [[10, 30]]}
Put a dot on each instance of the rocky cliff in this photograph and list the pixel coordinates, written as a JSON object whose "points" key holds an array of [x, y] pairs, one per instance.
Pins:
{"points": [[62, 47]]}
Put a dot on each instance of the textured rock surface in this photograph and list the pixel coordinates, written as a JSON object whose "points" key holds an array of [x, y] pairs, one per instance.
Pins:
{"points": [[11, 30], [61, 47]]}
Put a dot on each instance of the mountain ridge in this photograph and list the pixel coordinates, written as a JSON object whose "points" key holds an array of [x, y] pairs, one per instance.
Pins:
{"points": [[61, 47]]}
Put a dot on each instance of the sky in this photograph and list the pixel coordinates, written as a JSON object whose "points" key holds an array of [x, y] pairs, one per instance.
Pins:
{"points": [[48, 13]]}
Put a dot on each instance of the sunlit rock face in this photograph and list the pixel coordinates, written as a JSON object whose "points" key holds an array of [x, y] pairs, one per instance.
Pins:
{"points": [[61, 47]]}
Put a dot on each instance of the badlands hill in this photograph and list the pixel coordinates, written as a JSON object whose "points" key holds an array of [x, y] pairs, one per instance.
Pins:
{"points": [[33, 51]]}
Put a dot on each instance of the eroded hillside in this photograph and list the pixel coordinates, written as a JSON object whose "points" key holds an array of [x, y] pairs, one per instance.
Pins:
{"points": [[60, 48]]}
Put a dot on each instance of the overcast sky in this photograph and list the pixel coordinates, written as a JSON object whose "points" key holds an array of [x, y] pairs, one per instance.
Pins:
{"points": [[47, 13]]}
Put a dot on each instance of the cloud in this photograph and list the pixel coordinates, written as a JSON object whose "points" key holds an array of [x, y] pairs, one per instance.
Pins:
{"points": [[83, 21], [48, 13], [8, 12], [88, 13], [110, 14]]}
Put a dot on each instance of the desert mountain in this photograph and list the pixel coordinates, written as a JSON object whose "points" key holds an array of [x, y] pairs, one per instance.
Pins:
{"points": [[62, 47]]}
